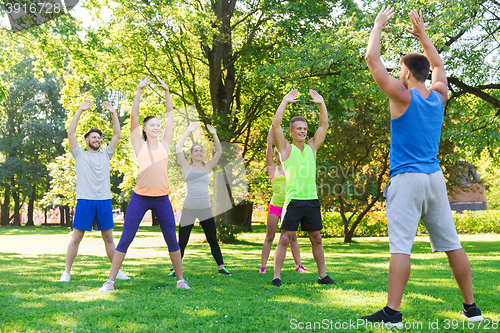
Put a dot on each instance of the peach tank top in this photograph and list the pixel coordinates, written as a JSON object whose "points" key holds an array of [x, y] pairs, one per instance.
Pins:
{"points": [[152, 181]]}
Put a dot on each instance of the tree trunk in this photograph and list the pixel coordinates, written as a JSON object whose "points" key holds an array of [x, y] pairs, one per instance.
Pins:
{"points": [[223, 204], [243, 215], [124, 206], [5, 207], [17, 209], [350, 234], [31, 206], [61, 216], [154, 218], [45, 215], [68, 217]]}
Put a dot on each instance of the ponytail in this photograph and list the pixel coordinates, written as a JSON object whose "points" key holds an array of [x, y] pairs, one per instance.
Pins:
{"points": [[144, 135]]}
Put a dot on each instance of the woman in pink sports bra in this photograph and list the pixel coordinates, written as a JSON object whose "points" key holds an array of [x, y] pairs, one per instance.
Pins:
{"points": [[278, 181]]}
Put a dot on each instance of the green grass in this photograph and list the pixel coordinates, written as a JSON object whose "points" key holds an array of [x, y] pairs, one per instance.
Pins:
{"points": [[32, 301]]}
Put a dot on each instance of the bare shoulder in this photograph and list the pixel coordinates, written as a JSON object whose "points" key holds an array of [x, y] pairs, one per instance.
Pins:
{"points": [[400, 103], [442, 89], [288, 150]]}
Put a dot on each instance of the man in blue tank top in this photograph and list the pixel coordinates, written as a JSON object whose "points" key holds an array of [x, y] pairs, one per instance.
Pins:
{"points": [[417, 188]]}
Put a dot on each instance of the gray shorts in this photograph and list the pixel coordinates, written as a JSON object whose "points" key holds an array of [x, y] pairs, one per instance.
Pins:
{"points": [[413, 196]]}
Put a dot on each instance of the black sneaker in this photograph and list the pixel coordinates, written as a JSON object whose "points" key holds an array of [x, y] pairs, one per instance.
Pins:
{"points": [[473, 314], [224, 271], [383, 317], [172, 273], [326, 280], [276, 282]]}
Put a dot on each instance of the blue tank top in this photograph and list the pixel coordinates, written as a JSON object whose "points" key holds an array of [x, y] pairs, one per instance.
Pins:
{"points": [[415, 135]]}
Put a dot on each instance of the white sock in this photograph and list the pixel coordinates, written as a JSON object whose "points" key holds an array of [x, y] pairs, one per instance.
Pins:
{"points": [[180, 280], [112, 282]]}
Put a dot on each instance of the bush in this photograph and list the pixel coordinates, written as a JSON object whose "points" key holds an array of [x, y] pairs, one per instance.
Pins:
{"points": [[477, 222], [375, 224]]}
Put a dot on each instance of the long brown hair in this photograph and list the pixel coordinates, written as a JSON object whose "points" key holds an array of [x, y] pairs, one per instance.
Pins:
{"points": [[192, 147], [148, 118]]}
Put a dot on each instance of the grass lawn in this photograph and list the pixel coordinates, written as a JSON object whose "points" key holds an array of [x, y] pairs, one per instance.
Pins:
{"points": [[32, 301]]}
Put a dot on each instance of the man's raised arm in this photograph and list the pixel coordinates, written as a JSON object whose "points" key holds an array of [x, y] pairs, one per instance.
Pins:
{"points": [[278, 136], [392, 87], [116, 126], [320, 135], [73, 141], [439, 80]]}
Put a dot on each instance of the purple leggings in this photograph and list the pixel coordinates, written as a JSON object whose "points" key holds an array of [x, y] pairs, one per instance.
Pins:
{"points": [[137, 207]]}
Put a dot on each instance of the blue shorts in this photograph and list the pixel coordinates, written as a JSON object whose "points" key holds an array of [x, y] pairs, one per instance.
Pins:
{"points": [[89, 210]]}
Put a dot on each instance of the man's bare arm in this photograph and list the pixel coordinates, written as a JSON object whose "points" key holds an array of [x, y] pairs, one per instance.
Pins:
{"points": [[439, 80], [73, 141], [319, 137], [392, 87], [116, 126], [278, 136]]}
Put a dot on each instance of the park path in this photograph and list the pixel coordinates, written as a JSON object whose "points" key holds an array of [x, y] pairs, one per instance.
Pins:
{"points": [[142, 247]]}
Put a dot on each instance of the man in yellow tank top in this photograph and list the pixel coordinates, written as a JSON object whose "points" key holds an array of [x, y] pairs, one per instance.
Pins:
{"points": [[302, 204]]}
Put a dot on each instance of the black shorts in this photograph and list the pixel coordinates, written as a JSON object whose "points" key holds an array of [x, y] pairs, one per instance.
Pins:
{"points": [[305, 212]]}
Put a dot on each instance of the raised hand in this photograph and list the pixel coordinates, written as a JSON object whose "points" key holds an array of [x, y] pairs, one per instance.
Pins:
{"points": [[290, 97], [162, 83], [417, 21], [192, 127], [144, 82], [86, 105], [385, 14], [109, 107], [211, 129], [316, 98]]}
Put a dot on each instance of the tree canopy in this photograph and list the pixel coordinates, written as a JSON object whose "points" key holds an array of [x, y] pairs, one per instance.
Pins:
{"points": [[233, 60]]}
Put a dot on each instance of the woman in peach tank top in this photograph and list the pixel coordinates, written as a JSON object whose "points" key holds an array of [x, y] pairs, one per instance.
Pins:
{"points": [[151, 190]]}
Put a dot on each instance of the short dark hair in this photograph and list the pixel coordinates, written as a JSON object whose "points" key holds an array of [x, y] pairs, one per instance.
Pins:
{"points": [[295, 119], [93, 130], [418, 64], [148, 118]]}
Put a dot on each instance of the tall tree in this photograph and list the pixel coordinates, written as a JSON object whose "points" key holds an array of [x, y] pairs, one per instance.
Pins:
{"points": [[31, 117], [353, 166], [208, 53]]}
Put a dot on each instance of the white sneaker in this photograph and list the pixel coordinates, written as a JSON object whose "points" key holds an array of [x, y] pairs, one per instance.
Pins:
{"points": [[183, 285], [122, 276], [65, 277], [107, 286]]}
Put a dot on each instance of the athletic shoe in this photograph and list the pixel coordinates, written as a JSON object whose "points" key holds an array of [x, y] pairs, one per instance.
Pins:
{"points": [[276, 282], [65, 277], [262, 270], [107, 286], [172, 273], [473, 314], [182, 285], [383, 317], [326, 280], [122, 276], [224, 271], [301, 269]]}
